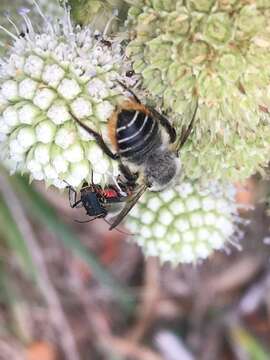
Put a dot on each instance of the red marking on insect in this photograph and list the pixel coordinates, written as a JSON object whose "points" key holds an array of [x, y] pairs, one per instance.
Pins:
{"points": [[110, 193]]}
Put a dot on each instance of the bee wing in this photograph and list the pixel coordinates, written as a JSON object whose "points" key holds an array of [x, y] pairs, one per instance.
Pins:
{"points": [[129, 205], [186, 133]]}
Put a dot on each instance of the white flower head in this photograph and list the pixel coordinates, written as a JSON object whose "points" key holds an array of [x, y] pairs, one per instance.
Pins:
{"points": [[47, 79], [186, 223]]}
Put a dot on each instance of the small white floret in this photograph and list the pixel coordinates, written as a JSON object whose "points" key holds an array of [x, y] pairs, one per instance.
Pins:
{"points": [[33, 66], [74, 153], [177, 207], [9, 90], [81, 108], [97, 89], [27, 88], [104, 110], [44, 98], [165, 217], [181, 224], [10, 116], [154, 204], [60, 164], [80, 169], [52, 75], [65, 137], [50, 172], [58, 113], [45, 131], [146, 217], [42, 153], [69, 89], [27, 114], [26, 137]]}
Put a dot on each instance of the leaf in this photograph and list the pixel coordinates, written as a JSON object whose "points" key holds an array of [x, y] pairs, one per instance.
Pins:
{"points": [[15, 240]]}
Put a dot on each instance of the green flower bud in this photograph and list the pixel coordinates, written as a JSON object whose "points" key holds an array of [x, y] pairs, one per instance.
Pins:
{"points": [[218, 51], [46, 79], [185, 223]]}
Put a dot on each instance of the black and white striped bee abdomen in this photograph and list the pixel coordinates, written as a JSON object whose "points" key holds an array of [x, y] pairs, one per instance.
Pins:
{"points": [[136, 134]]}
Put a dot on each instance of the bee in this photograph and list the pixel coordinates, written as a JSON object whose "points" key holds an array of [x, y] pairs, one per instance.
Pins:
{"points": [[146, 147]]}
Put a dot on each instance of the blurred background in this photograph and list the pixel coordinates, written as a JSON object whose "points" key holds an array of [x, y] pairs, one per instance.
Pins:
{"points": [[76, 291]]}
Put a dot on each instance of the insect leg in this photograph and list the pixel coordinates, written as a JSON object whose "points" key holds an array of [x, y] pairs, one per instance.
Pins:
{"points": [[131, 178], [86, 221], [130, 91], [165, 123], [186, 133], [73, 202], [98, 139]]}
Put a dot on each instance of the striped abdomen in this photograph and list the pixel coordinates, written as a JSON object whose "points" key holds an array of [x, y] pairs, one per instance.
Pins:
{"points": [[136, 134]]}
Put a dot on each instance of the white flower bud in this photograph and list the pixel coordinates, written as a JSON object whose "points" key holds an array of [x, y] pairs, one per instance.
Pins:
{"points": [[45, 131]]}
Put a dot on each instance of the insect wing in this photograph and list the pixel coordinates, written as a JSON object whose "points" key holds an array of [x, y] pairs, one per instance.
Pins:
{"points": [[187, 132], [129, 205]]}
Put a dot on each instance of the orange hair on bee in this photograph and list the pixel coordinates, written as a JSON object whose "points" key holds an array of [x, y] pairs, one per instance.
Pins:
{"points": [[130, 105], [112, 122]]}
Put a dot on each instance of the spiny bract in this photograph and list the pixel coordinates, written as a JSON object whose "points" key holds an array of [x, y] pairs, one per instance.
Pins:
{"points": [[219, 51], [185, 223], [47, 76]]}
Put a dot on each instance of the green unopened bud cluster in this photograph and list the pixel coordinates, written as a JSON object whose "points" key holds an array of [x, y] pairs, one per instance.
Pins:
{"points": [[218, 51], [46, 77], [185, 223]]}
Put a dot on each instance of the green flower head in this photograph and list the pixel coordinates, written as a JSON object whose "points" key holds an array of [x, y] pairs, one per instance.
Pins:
{"points": [[218, 51]]}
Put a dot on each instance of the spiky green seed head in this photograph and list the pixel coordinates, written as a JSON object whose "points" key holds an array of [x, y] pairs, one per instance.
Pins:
{"points": [[218, 51], [186, 223], [46, 79]]}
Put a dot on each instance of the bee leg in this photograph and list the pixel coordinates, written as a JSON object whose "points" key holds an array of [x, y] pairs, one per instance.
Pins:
{"points": [[104, 147], [165, 123], [130, 91], [131, 178]]}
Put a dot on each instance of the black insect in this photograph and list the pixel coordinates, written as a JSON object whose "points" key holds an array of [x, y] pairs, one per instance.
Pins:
{"points": [[146, 147], [98, 201]]}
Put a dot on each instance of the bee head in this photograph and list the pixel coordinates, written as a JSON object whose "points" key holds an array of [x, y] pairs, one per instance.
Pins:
{"points": [[161, 169]]}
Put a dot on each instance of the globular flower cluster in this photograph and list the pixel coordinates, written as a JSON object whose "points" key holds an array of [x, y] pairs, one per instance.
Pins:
{"points": [[185, 223], [47, 78], [218, 51], [63, 72]]}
